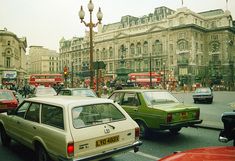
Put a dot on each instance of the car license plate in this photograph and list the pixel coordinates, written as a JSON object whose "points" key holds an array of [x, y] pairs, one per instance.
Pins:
{"points": [[107, 141], [183, 115]]}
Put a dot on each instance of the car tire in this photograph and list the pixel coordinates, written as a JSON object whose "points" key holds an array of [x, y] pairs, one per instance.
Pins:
{"points": [[210, 101], [41, 153], [144, 131], [6, 140], [175, 131]]}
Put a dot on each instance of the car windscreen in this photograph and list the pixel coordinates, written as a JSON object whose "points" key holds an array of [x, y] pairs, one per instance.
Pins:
{"points": [[4, 95], [86, 93], [45, 91], [91, 115], [203, 90], [156, 97]]}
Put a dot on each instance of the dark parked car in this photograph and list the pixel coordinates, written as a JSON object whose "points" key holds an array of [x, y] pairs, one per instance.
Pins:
{"points": [[203, 94], [85, 92], [218, 153]]}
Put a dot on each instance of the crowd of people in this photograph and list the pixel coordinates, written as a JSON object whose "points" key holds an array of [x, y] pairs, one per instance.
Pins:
{"points": [[24, 90]]}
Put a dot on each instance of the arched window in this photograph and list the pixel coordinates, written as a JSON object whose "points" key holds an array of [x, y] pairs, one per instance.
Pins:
{"points": [[122, 51], [138, 49], [157, 48], [145, 49], [111, 53], [97, 54], [104, 54], [132, 47]]}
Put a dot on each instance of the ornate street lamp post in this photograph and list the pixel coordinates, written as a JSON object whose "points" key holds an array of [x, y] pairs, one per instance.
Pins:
{"points": [[91, 25]]}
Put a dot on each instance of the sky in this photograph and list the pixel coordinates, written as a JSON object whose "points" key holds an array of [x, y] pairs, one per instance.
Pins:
{"points": [[45, 22]]}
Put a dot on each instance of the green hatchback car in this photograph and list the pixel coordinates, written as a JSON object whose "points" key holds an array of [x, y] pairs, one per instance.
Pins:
{"points": [[156, 110]]}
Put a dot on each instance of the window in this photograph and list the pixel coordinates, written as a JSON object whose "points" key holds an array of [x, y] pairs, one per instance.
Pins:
{"points": [[130, 99], [8, 62], [110, 53], [171, 47], [197, 59], [53, 116], [22, 109], [171, 59], [132, 50], [110, 67], [157, 47], [138, 49], [116, 97], [213, 24], [92, 115], [33, 112], [145, 47]]}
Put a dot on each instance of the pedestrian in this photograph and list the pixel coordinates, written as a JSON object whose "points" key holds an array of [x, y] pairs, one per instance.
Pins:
{"points": [[13, 87], [26, 91], [118, 87]]}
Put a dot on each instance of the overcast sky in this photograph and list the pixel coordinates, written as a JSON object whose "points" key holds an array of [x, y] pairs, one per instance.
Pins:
{"points": [[45, 22]]}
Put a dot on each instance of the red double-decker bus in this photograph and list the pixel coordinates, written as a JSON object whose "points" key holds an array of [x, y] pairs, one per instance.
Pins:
{"points": [[144, 78], [45, 79]]}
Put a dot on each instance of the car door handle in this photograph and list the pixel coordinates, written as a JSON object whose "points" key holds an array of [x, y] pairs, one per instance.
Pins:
{"points": [[135, 109]]}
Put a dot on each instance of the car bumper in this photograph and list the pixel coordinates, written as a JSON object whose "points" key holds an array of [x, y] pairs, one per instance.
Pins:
{"points": [[202, 97], [134, 146], [179, 125]]}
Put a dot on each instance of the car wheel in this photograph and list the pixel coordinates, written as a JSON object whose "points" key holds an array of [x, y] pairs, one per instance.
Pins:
{"points": [[175, 131], [41, 154], [143, 129], [6, 140], [210, 101]]}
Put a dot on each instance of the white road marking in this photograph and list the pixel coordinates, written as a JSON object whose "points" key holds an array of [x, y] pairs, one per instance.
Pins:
{"points": [[146, 155]]}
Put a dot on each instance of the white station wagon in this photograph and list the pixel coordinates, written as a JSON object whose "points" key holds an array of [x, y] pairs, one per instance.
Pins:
{"points": [[70, 128]]}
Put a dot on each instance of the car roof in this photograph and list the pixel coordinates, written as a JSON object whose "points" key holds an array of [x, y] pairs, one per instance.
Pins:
{"points": [[141, 90], [5, 90], [76, 89], [65, 100], [207, 153]]}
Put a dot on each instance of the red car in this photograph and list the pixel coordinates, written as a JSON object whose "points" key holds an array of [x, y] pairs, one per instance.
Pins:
{"points": [[7, 100], [220, 153], [216, 153]]}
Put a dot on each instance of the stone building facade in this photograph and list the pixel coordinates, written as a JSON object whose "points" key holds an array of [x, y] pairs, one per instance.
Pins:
{"points": [[12, 58], [190, 47], [43, 61]]}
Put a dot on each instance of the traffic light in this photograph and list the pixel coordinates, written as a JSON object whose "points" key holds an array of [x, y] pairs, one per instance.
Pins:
{"points": [[66, 72]]}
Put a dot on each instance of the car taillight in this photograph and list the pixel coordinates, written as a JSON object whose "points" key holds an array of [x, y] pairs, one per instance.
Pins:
{"points": [[70, 149], [137, 133], [197, 114], [169, 117]]}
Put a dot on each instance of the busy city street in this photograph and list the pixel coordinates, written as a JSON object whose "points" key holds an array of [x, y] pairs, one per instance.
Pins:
{"points": [[160, 144], [117, 80]]}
